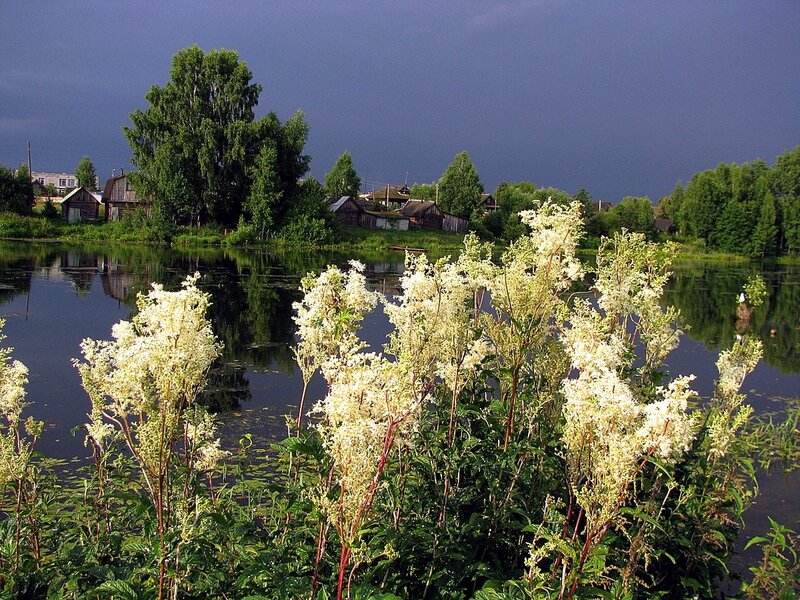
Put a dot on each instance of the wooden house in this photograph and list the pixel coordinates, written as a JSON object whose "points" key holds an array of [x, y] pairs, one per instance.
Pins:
{"points": [[425, 214], [347, 209], [663, 225], [120, 199], [79, 205], [487, 204]]}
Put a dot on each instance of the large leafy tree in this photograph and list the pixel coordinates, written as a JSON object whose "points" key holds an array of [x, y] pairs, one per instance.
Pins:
{"points": [[196, 144], [342, 179], [85, 174], [460, 187]]}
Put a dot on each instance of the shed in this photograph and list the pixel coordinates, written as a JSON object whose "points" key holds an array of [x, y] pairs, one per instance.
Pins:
{"points": [[120, 199], [79, 205], [453, 223]]}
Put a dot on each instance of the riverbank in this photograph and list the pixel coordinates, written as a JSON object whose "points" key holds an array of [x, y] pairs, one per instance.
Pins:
{"points": [[18, 227]]}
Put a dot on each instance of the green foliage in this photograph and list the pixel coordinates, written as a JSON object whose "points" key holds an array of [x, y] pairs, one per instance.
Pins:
{"points": [[265, 192], [49, 210], [750, 209], [198, 146], [85, 174], [342, 179], [424, 191], [778, 574], [632, 214], [460, 187], [16, 191]]}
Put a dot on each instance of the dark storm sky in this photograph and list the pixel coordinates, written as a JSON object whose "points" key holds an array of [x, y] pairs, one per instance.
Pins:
{"points": [[622, 98]]}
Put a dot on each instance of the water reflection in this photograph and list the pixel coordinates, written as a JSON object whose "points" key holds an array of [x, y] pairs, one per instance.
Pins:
{"points": [[707, 296]]}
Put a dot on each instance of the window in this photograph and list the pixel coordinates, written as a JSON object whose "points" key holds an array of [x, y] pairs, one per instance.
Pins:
{"points": [[71, 183], [62, 182], [41, 180]]}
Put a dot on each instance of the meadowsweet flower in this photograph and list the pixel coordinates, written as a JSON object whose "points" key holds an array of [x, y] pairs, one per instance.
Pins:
{"points": [[668, 429], [152, 369], [610, 428], [329, 316], [733, 365]]}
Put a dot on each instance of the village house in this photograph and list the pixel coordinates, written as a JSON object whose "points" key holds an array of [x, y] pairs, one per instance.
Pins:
{"points": [[79, 205], [352, 212], [425, 214], [120, 199], [487, 204]]}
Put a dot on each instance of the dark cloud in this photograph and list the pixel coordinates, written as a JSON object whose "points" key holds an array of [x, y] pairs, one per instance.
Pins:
{"points": [[621, 98]]}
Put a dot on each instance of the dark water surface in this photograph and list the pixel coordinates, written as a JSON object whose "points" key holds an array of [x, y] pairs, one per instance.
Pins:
{"points": [[52, 296]]}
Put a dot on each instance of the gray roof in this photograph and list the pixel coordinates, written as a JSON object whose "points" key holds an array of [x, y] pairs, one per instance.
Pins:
{"points": [[74, 193]]}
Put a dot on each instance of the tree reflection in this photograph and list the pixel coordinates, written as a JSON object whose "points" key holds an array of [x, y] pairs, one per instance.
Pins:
{"points": [[707, 296]]}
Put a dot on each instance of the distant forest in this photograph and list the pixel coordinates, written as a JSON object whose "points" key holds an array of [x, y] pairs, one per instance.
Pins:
{"points": [[750, 209]]}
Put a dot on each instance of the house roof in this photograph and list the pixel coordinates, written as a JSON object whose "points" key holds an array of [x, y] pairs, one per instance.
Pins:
{"points": [[396, 193], [488, 200], [335, 204], [417, 208], [387, 214], [74, 193], [110, 185], [663, 224]]}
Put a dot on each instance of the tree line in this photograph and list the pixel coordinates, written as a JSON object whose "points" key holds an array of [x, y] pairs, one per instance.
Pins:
{"points": [[751, 209]]}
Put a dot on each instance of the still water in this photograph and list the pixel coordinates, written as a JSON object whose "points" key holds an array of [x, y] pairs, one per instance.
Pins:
{"points": [[52, 296]]}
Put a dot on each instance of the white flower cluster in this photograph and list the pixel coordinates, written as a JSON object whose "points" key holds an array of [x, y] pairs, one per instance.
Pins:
{"points": [[434, 327], [141, 381], [609, 428], [329, 316], [15, 454], [631, 275], [728, 415]]}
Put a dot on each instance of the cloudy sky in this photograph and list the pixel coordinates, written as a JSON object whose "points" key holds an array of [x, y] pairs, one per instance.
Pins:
{"points": [[622, 98]]}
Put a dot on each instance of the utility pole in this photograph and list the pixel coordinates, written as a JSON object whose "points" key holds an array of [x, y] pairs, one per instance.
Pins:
{"points": [[30, 167]]}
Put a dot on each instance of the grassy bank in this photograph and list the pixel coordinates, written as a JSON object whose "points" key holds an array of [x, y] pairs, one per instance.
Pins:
{"points": [[14, 226]]}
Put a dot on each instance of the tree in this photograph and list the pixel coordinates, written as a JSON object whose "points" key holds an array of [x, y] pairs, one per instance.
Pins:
{"points": [[701, 204], [86, 174], [424, 191], [634, 214], [733, 228], [196, 144], [16, 191], [460, 187], [265, 191], [342, 179], [765, 233]]}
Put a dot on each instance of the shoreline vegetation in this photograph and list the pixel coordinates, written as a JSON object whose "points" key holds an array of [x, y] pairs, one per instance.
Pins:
{"points": [[42, 229]]}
